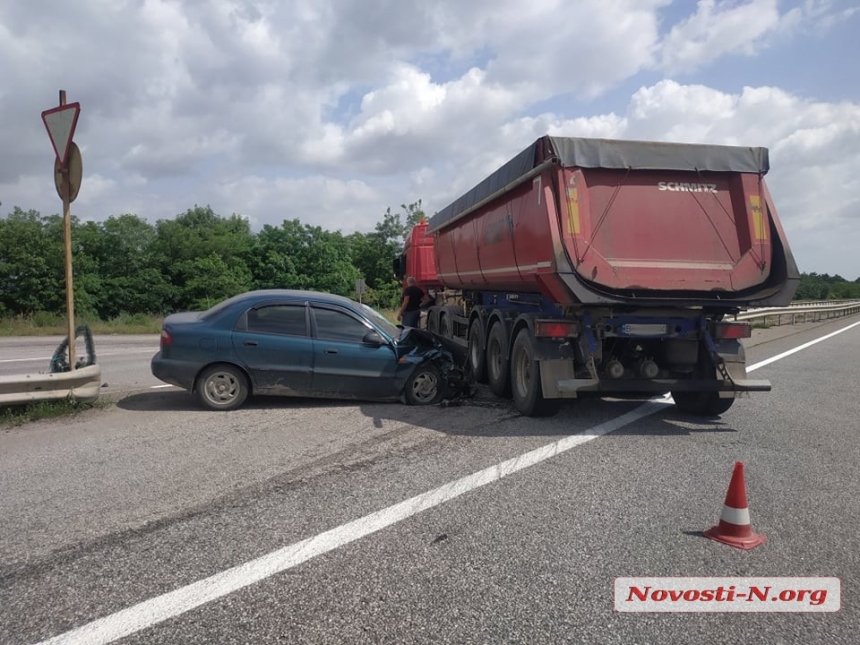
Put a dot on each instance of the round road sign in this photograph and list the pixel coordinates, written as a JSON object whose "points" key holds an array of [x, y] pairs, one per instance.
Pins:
{"points": [[75, 170]]}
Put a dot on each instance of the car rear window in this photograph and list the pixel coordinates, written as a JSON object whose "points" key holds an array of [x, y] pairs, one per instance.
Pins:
{"points": [[221, 306]]}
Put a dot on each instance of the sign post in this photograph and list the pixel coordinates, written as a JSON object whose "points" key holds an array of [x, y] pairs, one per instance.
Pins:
{"points": [[60, 123], [360, 288]]}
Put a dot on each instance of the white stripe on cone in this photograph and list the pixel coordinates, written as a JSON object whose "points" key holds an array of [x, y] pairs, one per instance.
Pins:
{"points": [[736, 516]]}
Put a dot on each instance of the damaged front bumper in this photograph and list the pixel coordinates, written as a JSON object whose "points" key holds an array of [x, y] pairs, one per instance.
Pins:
{"points": [[450, 359]]}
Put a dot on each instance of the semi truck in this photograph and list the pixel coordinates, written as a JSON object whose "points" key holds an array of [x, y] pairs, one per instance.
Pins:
{"points": [[607, 267]]}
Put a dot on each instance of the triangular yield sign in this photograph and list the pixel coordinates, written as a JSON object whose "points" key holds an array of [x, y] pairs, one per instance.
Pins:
{"points": [[60, 123]]}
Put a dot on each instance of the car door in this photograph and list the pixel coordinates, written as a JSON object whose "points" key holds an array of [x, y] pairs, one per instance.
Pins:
{"points": [[274, 342], [344, 365]]}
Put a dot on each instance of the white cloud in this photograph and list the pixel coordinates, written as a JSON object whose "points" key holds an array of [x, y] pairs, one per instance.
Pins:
{"points": [[347, 206], [333, 110], [730, 28], [718, 28], [814, 153]]}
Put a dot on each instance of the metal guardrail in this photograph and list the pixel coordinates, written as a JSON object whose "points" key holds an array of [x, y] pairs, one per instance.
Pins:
{"points": [[802, 312], [81, 385], [814, 303]]}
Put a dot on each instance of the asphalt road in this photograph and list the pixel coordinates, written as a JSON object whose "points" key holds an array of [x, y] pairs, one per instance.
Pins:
{"points": [[115, 507], [124, 359]]}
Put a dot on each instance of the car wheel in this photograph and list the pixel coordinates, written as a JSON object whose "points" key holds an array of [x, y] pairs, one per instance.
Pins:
{"points": [[497, 361], [222, 387], [705, 404], [477, 351], [424, 387], [432, 321], [525, 380]]}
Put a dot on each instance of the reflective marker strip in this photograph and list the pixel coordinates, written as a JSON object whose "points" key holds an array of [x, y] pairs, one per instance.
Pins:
{"points": [[737, 516], [573, 210], [758, 217]]}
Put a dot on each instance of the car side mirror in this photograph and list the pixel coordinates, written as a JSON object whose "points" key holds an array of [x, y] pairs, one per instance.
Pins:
{"points": [[372, 338]]}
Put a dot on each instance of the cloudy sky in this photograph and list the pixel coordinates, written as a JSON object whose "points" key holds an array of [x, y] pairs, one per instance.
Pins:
{"points": [[330, 111]]}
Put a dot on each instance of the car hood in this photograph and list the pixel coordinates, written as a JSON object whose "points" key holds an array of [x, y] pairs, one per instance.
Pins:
{"points": [[423, 341]]}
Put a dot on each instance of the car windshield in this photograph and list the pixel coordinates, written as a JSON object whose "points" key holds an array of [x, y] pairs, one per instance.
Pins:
{"points": [[381, 321]]}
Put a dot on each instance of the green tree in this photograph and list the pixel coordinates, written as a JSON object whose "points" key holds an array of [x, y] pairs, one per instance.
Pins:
{"points": [[814, 286], [277, 256], [413, 213], [32, 274], [131, 281], [86, 256], [214, 279], [200, 233], [300, 256], [126, 265], [374, 253], [328, 260]]}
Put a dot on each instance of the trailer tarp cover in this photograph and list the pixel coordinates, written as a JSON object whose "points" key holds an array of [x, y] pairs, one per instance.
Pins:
{"points": [[649, 155], [607, 153]]}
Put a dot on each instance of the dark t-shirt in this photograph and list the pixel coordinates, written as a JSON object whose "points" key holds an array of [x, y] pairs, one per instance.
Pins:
{"points": [[415, 295]]}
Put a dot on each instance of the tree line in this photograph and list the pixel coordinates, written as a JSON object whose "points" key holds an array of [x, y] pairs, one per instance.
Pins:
{"points": [[125, 265], [815, 286]]}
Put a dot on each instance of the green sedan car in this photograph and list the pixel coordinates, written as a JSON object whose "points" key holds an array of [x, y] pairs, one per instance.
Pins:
{"points": [[308, 344]]}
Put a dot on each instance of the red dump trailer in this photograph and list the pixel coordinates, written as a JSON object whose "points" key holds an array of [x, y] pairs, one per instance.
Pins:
{"points": [[592, 265]]}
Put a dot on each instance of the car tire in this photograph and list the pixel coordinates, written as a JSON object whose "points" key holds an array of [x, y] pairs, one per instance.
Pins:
{"points": [[424, 387], [477, 351], [221, 387], [497, 362], [703, 404], [445, 325], [525, 380]]}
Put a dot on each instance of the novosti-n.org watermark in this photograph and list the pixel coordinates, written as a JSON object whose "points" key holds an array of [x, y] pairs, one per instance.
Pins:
{"points": [[728, 594]]}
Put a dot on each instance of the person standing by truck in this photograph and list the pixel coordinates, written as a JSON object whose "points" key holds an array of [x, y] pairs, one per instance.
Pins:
{"points": [[410, 309]]}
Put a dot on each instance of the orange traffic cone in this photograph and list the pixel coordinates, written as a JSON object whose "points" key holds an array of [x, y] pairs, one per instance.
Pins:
{"points": [[734, 528]]}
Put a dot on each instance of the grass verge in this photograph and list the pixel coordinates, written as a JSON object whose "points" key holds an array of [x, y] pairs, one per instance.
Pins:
{"points": [[48, 324], [17, 415]]}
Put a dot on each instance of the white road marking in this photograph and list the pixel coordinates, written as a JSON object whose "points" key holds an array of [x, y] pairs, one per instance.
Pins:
{"points": [[774, 359], [47, 358], [160, 608], [169, 605], [156, 387]]}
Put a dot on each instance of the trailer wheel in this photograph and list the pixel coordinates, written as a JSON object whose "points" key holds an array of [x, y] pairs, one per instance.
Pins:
{"points": [[704, 404], [477, 351], [498, 375], [525, 380], [444, 325], [432, 321]]}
